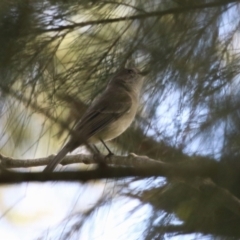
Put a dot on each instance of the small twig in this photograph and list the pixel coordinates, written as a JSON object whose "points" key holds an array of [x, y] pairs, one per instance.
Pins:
{"points": [[177, 10], [221, 195]]}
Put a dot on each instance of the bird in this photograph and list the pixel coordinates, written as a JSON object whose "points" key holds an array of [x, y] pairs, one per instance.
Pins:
{"points": [[108, 116]]}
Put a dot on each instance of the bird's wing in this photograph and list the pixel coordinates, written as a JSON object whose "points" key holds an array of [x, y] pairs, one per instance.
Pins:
{"points": [[103, 112]]}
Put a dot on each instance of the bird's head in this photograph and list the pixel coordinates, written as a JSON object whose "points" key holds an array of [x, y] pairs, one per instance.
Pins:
{"points": [[129, 78]]}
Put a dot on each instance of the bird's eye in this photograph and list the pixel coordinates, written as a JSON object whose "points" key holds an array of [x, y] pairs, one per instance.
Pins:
{"points": [[130, 71]]}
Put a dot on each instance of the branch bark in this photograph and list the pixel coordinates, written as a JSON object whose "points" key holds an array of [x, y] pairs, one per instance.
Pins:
{"points": [[129, 166]]}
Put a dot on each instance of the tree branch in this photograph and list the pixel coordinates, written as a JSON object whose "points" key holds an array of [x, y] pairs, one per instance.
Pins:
{"points": [[128, 166], [130, 161], [177, 10], [221, 196]]}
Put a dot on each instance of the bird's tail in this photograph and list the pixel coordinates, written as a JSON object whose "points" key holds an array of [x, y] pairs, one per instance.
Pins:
{"points": [[56, 160]]}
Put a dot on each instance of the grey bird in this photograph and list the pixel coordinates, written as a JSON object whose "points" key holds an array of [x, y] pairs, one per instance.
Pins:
{"points": [[108, 116]]}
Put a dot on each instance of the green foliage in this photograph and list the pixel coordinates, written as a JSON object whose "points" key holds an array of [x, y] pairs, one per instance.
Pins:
{"points": [[56, 56]]}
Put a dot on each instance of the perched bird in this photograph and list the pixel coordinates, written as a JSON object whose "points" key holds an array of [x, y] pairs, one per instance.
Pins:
{"points": [[108, 116]]}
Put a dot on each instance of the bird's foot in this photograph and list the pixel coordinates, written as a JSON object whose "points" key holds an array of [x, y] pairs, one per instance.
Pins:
{"points": [[109, 155], [100, 160]]}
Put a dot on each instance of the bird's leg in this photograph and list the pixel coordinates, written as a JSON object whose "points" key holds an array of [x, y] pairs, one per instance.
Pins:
{"points": [[97, 156], [110, 153], [96, 150]]}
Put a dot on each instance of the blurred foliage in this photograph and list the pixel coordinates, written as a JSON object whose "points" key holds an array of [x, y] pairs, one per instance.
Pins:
{"points": [[56, 56]]}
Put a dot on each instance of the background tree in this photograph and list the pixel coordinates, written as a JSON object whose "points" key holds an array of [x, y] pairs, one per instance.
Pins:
{"points": [[56, 56]]}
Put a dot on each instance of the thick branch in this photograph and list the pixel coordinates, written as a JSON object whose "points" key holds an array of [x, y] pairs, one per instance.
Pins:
{"points": [[130, 161], [143, 166]]}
